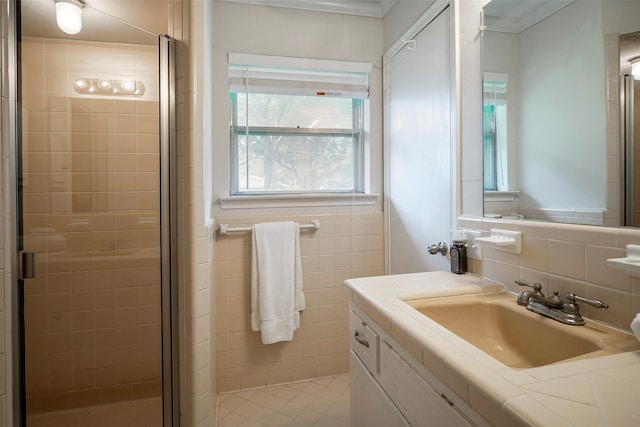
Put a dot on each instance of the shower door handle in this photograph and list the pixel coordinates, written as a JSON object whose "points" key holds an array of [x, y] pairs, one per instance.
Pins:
{"points": [[27, 265]]}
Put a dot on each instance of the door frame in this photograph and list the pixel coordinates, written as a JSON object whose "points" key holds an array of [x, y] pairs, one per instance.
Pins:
{"points": [[427, 17]]}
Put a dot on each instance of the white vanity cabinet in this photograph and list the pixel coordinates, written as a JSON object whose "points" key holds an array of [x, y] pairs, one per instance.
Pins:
{"points": [[390, 388], [370, 405]]}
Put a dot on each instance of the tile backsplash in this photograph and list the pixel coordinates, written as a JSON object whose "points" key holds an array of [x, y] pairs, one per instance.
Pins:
{"points": [[347, 245], [565, 258]]}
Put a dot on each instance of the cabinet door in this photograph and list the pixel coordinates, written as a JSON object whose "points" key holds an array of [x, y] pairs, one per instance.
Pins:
{"points": [[419, 402], [370, 406]]}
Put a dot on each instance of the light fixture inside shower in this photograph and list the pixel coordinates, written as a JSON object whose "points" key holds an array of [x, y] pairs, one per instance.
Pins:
{"points": [[88, 86], [69, 15]]}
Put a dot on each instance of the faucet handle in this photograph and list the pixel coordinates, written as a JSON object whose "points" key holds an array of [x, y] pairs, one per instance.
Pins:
{"points": [[536, 286], [523, 298], [572, 298]]}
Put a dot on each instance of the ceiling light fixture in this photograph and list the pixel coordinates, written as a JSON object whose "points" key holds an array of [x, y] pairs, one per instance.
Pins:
{"points": [[69, 16]]}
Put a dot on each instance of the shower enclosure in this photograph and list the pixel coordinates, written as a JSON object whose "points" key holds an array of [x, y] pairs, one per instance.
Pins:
{"points": [[94, 209]]}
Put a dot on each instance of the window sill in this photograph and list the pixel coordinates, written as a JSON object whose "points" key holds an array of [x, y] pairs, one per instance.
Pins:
{"points": [[500, 196], [297, 201]]}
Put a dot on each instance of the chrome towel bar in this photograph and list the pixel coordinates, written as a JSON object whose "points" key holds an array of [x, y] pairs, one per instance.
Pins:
{"points": [[224, 229]]}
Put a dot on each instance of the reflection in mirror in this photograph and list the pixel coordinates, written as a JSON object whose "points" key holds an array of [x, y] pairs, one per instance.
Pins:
{"points": [[494, 114], [630, 68], [551, 109]]}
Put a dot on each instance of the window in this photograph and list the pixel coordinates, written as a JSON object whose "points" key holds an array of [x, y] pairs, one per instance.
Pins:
{"points": [[494, 114], [296, 125]]}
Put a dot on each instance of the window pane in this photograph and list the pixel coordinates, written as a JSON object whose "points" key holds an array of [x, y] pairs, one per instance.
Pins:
{"points": [[294, 111], [296, 163]]}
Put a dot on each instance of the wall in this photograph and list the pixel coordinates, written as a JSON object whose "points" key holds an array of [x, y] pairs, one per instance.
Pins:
{"points": [[190, 24], [349, 242], [347, 245], [401, 16]]}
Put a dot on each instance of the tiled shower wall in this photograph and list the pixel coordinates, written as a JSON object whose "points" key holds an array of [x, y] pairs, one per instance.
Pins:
{"points": [[347, 245], [91, 204], [566, 258]]}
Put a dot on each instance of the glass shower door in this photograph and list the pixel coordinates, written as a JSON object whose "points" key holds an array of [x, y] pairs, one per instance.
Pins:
{"points": [[90, 208]]}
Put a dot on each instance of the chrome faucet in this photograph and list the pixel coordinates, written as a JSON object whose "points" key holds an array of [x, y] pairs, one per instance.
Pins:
{"points": [[567, 311]]}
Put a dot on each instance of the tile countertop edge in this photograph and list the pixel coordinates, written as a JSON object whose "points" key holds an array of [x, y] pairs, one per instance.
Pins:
{"points": [[500, 404]]}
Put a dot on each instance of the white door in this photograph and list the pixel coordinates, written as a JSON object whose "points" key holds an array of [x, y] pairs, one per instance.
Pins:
{"points": [[418, 150]]}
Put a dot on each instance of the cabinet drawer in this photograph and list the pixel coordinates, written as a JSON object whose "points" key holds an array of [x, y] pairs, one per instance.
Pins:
{"points": [[364, 342]]}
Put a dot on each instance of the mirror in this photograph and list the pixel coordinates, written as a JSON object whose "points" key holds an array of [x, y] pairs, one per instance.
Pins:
{"points": [[551, 78]]}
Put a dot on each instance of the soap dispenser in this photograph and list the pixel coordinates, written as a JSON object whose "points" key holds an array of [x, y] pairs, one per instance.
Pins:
{"points": [[458, 253]]}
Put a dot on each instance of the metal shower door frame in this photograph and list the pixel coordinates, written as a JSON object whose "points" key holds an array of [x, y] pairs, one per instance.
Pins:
{"points": [[168, 233]]}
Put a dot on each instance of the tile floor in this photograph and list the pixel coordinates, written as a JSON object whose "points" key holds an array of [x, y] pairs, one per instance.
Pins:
{"points": [[136, 413], [314, 403]]}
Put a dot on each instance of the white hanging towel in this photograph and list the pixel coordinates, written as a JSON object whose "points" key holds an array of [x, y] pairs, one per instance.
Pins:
{"points": [[276, 281]]}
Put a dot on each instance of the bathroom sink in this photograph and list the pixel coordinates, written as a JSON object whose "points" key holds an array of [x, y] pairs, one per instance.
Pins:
{"points": [[497, 325]]}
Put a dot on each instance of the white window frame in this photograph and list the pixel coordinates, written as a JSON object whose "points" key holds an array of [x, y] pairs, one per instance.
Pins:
{"points": [[264, 199]]}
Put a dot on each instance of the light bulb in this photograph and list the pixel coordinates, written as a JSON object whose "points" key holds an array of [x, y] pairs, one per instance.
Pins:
{"points": [[129, 86], [635, 68], [68, 16]]}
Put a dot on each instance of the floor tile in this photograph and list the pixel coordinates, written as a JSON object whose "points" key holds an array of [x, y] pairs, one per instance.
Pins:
{"points": [[137, 413], [314, 403]]}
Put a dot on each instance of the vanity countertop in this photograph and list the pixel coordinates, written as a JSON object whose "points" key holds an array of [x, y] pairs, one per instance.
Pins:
{"points": [[603, 391]]}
